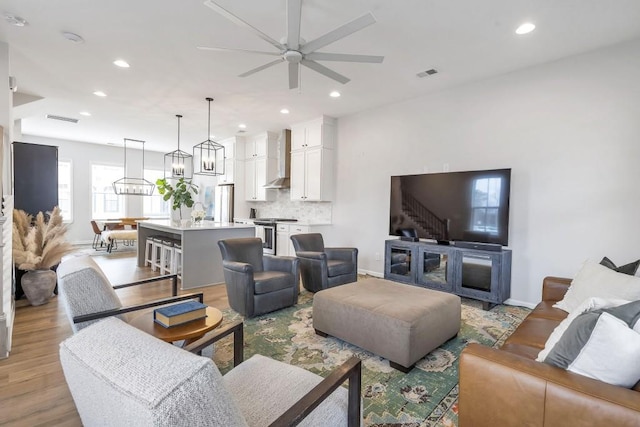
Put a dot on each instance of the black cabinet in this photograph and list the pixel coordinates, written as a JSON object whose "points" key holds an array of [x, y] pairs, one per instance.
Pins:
{"points": [[35, 177], [472, 273]]}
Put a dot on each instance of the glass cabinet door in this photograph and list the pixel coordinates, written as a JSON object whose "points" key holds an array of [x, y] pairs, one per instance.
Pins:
{"points": [[433, 269], [476, 273], [400, 262]]}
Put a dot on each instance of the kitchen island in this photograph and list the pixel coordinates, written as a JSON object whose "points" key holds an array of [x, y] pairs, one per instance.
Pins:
{"points": [[201, 259]]}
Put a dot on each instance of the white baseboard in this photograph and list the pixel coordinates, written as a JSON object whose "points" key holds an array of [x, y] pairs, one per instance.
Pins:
{"points": [[4, 337], [519, 303], [371, 273]]}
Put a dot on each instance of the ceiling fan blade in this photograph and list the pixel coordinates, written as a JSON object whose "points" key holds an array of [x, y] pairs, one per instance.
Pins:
{"points": [[294, 10], [294, 69], [340, 32], [345, 57], [233, 18], [229, 49], [325, 71], [262, 67]]}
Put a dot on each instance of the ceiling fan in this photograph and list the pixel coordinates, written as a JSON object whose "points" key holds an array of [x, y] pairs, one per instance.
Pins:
{"points": [[297, 51]]}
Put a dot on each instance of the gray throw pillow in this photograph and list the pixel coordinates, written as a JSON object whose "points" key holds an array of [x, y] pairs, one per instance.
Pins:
{"points": [[629, 269], [602, 344]]}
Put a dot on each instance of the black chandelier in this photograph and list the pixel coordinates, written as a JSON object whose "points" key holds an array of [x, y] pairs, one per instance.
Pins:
{"points": [[208, 156], [178, 163], [133, 186]]}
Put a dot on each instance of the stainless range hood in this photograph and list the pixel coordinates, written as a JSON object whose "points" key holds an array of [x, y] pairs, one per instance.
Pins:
{"points": [[284, 162]]}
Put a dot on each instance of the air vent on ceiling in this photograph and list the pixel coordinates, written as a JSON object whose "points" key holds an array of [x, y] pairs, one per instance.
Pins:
{"points": [[430, 72], [242, 131], [62, 118]]}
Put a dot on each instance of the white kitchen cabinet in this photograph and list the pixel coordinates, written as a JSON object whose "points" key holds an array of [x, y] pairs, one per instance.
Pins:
{"points": [[258, 172], [229, 168], [233, 158], [315, 133], [282, 240], [312, 160], [261, 145], [284, 245], [312, 175], [260, 166]]}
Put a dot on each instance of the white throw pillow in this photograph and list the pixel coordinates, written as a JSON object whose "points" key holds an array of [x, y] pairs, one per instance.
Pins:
{"points": [[602, 344], [589, 304], [610, 354], [595, 280]]}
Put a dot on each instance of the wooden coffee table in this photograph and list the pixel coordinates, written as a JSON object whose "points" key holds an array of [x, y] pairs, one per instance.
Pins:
{"points": [[188, 332]]}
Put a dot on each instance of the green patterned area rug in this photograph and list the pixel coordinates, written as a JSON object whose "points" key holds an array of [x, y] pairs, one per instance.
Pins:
{"points": [[426, 396]]}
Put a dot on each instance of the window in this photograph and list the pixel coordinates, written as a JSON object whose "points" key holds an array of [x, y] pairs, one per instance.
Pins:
{"points": [[154, 206], [64, 190], [485, 204], [105, 203]]}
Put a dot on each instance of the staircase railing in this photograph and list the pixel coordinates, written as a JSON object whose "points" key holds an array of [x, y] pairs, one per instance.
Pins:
{"points": [[434, 226]]}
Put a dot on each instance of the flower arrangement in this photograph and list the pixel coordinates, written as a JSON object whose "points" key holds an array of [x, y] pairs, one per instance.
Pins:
{"points": [[39, 246], [198, 214]]}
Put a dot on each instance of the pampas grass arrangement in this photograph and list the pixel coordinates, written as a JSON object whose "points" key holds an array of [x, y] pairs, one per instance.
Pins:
{"points": [[39, 246]]}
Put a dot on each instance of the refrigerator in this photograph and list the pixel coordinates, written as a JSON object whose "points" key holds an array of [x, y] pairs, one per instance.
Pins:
{"points": [[223, 205]]}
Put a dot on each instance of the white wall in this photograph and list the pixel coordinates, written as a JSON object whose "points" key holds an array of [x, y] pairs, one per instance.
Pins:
{"points": [[570, 131], [82, 156], [6, 107]]}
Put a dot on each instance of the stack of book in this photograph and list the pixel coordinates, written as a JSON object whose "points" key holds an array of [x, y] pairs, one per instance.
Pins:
{"points": [[179, 314]]}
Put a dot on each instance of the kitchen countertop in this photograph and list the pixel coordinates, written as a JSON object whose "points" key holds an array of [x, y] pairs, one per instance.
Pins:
{"points": [[299, 222], [205, 225]]}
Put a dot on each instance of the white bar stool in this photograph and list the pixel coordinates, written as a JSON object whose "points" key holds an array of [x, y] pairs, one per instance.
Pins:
{"points": [[177, 259], [156, 255], [148, 251], [166, 256]]}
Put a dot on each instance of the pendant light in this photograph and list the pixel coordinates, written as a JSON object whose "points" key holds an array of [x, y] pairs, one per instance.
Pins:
{"points": [[208, 156], [178, 163], [133, 186]]}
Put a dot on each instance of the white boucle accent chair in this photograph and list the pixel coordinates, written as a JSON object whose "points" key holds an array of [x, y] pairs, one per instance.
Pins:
{"points": [[118, 375], [87, 294]]}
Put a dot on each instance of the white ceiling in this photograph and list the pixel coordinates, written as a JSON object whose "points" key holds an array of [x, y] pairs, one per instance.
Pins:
{"points": [[466, 40]]}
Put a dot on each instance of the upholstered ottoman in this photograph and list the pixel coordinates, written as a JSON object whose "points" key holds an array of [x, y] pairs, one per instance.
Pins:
{"points": [[399, 322]]}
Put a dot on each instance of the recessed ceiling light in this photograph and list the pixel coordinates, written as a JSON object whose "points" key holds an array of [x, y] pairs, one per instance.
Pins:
{"points": [[121, 63], [284, 111], [72, 37], [335, 94], [99, 93], [242, 126], [85, 113], [14, 20], [429, 72], [525, 28]]}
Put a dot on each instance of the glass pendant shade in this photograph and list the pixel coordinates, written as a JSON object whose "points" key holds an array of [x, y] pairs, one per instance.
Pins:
{"points": [[133, 186], [208, 156], [178, 164]]}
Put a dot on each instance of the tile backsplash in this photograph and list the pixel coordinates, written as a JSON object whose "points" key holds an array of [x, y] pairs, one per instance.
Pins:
{"points": [[284, 207]]}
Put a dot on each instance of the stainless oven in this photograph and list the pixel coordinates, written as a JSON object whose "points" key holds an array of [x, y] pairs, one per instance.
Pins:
{"points": [[266, 230]]}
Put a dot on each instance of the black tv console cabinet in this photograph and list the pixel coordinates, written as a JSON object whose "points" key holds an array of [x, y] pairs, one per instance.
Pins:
{"points": [[473, 273]]}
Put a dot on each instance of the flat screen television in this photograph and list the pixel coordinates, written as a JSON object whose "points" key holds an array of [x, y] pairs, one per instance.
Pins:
{"points": [[471, 206]]}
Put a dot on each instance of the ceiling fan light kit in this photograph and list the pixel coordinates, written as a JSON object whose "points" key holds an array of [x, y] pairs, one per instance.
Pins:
{"points": [[295, 50], [178, 164], [209, 155]]}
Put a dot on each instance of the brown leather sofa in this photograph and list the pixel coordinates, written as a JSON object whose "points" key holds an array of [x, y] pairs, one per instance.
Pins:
{"points": [[507, 387]]}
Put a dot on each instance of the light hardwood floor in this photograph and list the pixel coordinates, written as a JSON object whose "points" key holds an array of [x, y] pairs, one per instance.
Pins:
{"points": [[33, 391]]}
